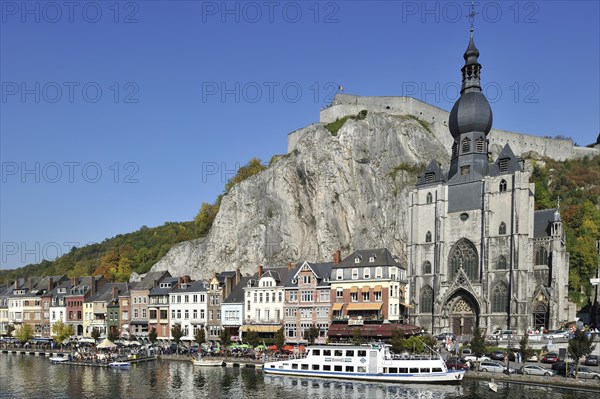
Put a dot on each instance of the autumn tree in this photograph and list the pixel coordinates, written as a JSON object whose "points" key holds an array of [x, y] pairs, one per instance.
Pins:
{"points": [[62, 331], [200, 336], [25, 333]]}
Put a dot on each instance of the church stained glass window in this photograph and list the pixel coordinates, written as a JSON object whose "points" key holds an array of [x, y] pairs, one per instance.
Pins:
{"points": [[501, 265], [429, 198], [499, 298], [464, 255], [428, 236], [502, 229], [541, 256], [502, 186], [427, 299], [427, 267]]}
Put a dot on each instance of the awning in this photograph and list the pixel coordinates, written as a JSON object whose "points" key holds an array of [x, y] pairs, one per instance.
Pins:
{"points": [[354, 289], [364, 306], [407, 305], [139, 322], [371, 330], [377, 288], [366, 289], [337, 306], [269, 329]]}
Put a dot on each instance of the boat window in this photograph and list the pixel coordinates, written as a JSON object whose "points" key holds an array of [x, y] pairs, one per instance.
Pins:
{"points": [[337, 352], [326, 352], [326, 367], [305, 367], [337, 368], [362, 353], [436, 370], [294, 366], [350, 353], [393, 370], [316, 352], [427, 370], [315, 367], [413, 371], [280, 367], [403, 370], [350, 368], [362, 369]]}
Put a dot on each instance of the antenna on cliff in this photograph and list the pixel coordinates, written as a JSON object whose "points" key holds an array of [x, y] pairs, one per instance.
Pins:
{"points": [[472, 16]]}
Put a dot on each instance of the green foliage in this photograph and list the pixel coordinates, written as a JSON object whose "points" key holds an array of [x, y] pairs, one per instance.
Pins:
{"points": [[225, 336], [397, 341], [280, 338], [414, 169], [25, 333], [423, 123], [113, 334], [176, 333], [336, 125], [252, 338], [152, 335], [311, 334], [200, 336], [62, 331], [95, 334], [524, 347], [579, 346], [415, 344], [357, 337], [478, 343]]}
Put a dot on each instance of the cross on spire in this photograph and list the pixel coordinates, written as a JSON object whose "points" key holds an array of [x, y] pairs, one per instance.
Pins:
{"points": [[472, 16]]}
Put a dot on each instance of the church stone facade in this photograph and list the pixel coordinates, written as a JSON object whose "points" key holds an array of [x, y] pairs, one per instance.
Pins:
{"points": [[479, 254]]}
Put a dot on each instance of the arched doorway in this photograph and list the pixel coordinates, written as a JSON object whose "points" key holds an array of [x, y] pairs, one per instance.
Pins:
{"points": [[540, 316], [463, 313]]}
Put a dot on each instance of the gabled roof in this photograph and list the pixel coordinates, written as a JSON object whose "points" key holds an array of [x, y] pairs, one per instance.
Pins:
{"points": [[382, 257], [237, 294], [104, 294], [158, 290], [507, 163], [191, 286], [279, 274], [321, 272], [433, 174], [149, 280], [542, 222]]}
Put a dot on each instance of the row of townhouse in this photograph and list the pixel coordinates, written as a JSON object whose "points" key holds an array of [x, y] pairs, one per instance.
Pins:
{"points": [[367, 291]]}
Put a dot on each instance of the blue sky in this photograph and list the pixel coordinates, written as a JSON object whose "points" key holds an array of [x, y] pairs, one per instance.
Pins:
{"points": [[116, 115]]}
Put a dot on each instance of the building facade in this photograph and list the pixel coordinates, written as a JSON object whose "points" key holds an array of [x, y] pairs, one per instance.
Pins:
{"points": [[479, 254]]}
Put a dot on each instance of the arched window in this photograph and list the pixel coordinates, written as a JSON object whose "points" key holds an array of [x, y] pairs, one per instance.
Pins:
{"points": [[501, 265], [499, 298], [429, 198], [464, 255], [427, 267], [428, 236], [427, 299], [502, 186], [454, 149], [502, 229], [541, 256], [479, 144], [466, 145]]}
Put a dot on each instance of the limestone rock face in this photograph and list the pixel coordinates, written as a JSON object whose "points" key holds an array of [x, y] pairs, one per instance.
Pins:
{"points": [[346, 191]]}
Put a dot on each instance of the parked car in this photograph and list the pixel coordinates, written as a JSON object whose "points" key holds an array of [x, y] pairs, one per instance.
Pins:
{"points": [[591, 360], [493, 367], [503, 334], [558, 334], [533, 358], [550, 357], [444, 336], [497, 355], [455, 363], [587, 373], [532, 369]]}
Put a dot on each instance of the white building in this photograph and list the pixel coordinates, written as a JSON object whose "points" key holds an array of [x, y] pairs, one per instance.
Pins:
{"points": [[189, 308]]}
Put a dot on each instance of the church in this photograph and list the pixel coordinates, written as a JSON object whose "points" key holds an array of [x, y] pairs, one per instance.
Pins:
{"points": [[479, 254]]}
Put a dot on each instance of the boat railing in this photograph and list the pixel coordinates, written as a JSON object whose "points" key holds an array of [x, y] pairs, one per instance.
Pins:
{"points": [[414, 357]]}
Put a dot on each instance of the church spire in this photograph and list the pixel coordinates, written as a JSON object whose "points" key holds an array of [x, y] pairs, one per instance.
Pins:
{"points": [[472, 69]]}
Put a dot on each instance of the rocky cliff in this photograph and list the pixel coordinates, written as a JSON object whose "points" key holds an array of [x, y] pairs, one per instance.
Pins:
{"points": [[346, 191]]}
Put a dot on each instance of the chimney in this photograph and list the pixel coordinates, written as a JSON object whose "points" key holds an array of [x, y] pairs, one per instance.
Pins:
{"points": [[227, 288], [50, 284], [290, 266], [178, 281], [337, 257], [238, 276], [115, 293], [94, 285], [30, 283], [74, 281], [260, 271], [186, 279]]}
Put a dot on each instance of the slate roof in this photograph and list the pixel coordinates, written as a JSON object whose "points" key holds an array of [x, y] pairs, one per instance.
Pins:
{"points": [[383, 257], [158, 290], [192, 286], [147, 282], [237, 294], [542, 221], [104, 294]]}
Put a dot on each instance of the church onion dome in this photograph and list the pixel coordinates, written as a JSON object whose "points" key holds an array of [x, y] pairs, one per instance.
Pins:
{"points": [[472, 111]]}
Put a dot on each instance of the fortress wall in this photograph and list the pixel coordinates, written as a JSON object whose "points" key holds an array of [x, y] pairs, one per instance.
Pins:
{"points": [[344, 104]]}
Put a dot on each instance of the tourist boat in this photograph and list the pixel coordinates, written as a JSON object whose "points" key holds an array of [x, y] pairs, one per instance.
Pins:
{"points": [[122, 365], [369, 362], [207, 362]]}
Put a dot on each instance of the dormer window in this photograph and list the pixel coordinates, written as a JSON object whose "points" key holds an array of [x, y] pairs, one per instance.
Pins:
{"points": [[429, 177], [357, 260], [339, 274], [372, 258]]}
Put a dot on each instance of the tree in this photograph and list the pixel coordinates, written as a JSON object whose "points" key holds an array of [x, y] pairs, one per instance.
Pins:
{"points": [[252, 338], [62, 331], [397, 341], [95, 334], [9, 330], [225, 337], [177, 333], [280, 338], [152, 335], [311, 334], [113, 334], [524, 348], [579, 346], [357, 337], [25, 333], [414, 344], [478, 343], [200, 336]]}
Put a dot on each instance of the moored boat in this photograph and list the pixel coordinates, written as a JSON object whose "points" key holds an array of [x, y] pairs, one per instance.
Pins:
{"points": [[118, 364], [371, 362], [58, 359], [207, 362]]}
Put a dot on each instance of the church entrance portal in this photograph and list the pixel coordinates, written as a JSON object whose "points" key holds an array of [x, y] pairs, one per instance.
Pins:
{"points": [[462, 313]]}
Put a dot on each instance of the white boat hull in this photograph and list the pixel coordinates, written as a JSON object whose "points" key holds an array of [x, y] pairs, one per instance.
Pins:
{"points": [[208, 363], [450, 377]]}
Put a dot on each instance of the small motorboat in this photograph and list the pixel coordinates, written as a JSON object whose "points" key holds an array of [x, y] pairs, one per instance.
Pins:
{"points": [[121, 365], [207, 362], [58, 359]]}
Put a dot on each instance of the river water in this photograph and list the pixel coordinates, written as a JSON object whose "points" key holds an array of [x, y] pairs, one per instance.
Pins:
{"points": [[24, 376]]}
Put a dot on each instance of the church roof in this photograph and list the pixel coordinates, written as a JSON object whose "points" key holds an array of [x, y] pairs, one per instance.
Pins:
{"points": [[507, 163], [432, 174], [542, 221]]}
